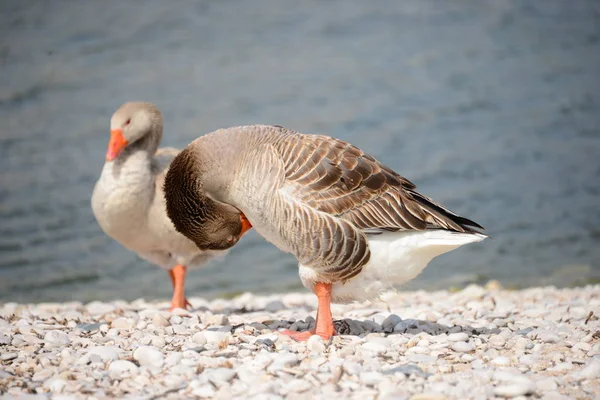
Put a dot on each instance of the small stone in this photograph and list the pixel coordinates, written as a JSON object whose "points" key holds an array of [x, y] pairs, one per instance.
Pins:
{"points": [[283, 360], [217, 319], [473, 292], [298, 385], [97, 308], [215, 336], [458, 337], [428, 396], [421, 358], [371, 378], [591, 370], [149, 356], [462, 347], [56, 338], [160, 320], [546, 384], [8, 356], [104, 353], [514, 389], [316, 344], [390, 323], [176, 320], [585, 347], [204, 391], [547, 336], [220, 376], [199, 338], [173, 358], [375, 347], [496, 341], [122, 323], [43, 375], [121, 369], [501, 361], [55, 385], [408, 369]]}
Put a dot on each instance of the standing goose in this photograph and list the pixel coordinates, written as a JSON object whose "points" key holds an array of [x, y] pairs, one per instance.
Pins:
{"points": [[356, 227], [128, 201]]}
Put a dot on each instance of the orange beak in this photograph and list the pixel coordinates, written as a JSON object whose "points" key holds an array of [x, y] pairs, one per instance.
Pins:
{"points": [[116, 144], [246, 225]]}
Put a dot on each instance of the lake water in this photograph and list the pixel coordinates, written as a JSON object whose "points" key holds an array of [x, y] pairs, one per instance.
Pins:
{"points": [[491, 108]]}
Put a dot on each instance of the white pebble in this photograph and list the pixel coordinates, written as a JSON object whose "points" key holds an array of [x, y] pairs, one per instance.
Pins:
{"points": [[316, 344], [8, 356], [56, 338], [199, 338], [546, 384], [591, 370], [215, 336], [220, 376], [105, 353], [370, 378], [122, 369], [149, 356], [514, 389], [97, 307], [375, 347], [122, 323], [501, 361], [458, 337], [462, 347], [55, 385], [160, 320]]}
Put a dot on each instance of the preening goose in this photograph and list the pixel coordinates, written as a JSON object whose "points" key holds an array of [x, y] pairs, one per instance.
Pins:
{"points": [[129, 205], [356, 227]]}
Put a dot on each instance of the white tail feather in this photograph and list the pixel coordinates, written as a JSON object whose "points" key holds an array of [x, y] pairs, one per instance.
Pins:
{"points": [[395, 259]]}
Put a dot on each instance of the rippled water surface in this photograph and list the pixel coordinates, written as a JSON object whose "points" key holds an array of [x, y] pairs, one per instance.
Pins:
{"points": [[491, 108]]}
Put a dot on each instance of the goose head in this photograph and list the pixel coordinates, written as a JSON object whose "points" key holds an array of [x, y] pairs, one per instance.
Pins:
{"points": [[210, 224], [131, 123]]}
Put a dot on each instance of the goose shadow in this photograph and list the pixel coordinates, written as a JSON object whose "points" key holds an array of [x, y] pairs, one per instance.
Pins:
{"points": [[392, 325], [354, 327]]}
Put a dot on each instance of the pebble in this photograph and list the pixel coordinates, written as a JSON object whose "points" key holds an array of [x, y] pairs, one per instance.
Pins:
{"points": [[474, 344], [591, 370], [390, 323], [160, 320], [316, 344], [105, 353], [215, 336], [8, 356], [501, 361], [56, 338], [458, 337], [514, 389], [122, 323], [55, 385], [462, 347], [199, 338], [122, 369], [149, 356]]}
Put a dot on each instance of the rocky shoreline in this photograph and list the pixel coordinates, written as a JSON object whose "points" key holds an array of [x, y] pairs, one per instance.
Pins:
{"points": [[478, 343]]}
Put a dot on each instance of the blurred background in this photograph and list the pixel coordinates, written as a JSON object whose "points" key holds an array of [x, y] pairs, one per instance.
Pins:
{"points": [[491, 107]]}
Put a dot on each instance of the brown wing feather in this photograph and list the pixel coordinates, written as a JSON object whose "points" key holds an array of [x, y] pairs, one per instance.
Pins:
{"points": [[338, 178]]}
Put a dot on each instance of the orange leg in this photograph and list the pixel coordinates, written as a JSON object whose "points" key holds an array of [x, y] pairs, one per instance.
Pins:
{"points": [[324, 324], [177, 274]]}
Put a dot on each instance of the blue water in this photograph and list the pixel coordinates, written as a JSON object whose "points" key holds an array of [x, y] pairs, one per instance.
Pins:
{"points": [[491, 108]]}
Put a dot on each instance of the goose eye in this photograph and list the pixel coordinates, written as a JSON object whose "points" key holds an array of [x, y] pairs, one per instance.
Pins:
{"points": [[128, 121]]}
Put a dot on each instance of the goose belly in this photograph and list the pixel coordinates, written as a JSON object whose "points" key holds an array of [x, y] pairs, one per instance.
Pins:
{"points": [[396, 258]]}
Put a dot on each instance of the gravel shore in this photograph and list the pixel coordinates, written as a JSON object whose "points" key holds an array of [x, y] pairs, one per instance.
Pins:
{"points": [[479, 343]]}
